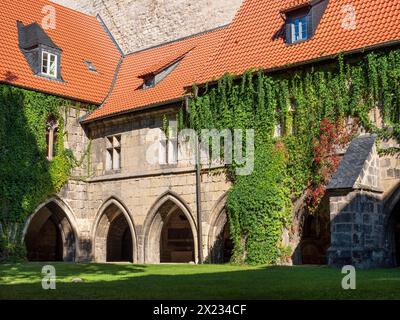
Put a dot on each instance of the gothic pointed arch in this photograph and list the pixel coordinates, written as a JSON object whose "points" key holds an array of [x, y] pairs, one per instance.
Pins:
{"points": [[219, 244], [114, 234], [50, 232], [391, 239], [170, 231]]}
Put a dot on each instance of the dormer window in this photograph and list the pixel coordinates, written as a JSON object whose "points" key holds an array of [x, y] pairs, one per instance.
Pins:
{"points": [[302, 20], [158, 72], [150, 80], [49, 64], [299, 25], [41, 53]]}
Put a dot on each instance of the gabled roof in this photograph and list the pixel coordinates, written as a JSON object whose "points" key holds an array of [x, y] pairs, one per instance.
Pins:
{"points": [[79, 36], [164, 64], [353, 168], [293, 5], [191, 53], [255, 38]]}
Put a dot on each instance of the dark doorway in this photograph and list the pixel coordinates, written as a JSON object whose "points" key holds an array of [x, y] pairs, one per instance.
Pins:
{"points": [[119, 241], [394, 235], [221, 251], [176, 243], [49, 236], [47, 245], [397, 243], [315, 235], [227, 244]]}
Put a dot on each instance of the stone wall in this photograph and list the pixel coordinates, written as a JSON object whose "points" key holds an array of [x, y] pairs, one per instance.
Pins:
{"points": [[137, 24], [363, 196], [138, 189]]}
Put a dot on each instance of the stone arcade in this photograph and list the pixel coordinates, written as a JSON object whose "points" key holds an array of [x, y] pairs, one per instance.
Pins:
{"points": [[119, 207]]}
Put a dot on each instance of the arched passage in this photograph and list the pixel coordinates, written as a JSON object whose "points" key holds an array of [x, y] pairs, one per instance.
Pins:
{"points": [[49, 234], [315, 234], [220, 245], [392, 231], [114, 235], [394, 234], [170, 233]]}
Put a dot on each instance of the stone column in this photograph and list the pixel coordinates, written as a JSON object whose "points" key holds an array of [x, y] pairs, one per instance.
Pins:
{"points": [[357, 230], [356, 209]]}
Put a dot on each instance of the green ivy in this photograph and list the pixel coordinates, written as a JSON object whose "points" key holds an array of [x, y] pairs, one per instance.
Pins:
{"points": [[27, 178], [259, 205], [259, 208]]}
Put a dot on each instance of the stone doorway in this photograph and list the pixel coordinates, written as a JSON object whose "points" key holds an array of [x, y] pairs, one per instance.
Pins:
{"points": [[176, 243], [315, 235], [170, 233], [394, 235], [119, 241], [114, 236], [49, 235], [221, 245]]}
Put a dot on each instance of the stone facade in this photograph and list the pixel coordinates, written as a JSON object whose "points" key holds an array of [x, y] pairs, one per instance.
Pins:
{"points": [[138, 24], [128, 213], [148, 212], [142, 193]]}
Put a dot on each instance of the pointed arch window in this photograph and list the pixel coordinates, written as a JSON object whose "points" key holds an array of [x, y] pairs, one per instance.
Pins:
{"points": [[51, 136]]}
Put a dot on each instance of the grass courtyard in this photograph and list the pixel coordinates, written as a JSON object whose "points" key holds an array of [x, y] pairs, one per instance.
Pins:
{"points": [[127, 281]]}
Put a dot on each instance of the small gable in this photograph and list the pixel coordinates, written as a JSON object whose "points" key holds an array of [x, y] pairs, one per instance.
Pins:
{"points": [[40, 51]]}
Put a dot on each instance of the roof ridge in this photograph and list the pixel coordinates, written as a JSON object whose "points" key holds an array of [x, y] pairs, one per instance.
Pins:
{"points": [[179, 39]]}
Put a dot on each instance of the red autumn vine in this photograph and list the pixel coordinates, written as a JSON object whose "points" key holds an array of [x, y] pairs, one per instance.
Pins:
{"points": [[333, 136]]}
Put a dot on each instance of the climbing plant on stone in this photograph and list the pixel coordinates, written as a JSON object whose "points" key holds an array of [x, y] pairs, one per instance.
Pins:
{"points": [[27, 178], [304, 101]]}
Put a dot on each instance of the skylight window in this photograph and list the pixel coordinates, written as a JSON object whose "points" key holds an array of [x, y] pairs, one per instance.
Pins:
{"points": [[49, 64], [90, 66]]}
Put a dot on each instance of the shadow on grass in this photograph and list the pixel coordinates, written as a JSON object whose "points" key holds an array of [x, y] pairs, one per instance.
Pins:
{"points": [[182, 282]]}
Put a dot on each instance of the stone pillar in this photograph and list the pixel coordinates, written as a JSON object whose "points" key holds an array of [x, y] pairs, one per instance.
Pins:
{"points": [[356, 209], [357, 230]]}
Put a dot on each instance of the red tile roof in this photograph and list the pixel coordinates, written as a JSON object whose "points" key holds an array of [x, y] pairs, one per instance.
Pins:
{"points": [[291, 5], [163, 64], [127, 94], [255, 38], [81, 37]]}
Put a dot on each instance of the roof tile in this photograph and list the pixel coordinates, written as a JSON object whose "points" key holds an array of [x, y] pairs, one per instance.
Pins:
{"points": [[250, 41], [81, 37], [127, 94]]}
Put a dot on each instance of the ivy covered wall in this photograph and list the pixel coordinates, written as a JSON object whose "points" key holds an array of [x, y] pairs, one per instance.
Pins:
{"points": [[312, 106], [27, 178]]}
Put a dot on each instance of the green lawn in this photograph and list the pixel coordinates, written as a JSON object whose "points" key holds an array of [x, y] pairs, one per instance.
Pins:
{"points": [[127, 281]]}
